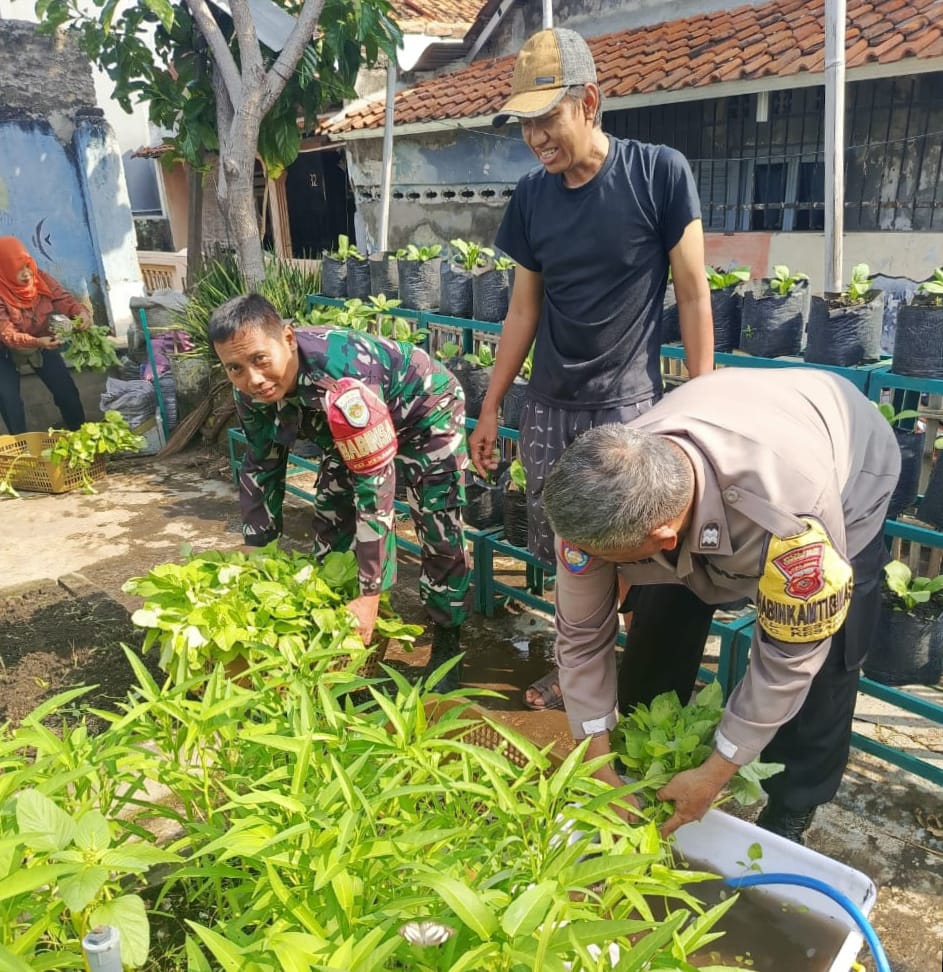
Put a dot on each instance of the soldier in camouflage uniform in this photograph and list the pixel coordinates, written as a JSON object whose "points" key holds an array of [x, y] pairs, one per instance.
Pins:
{"points": [[361, 399]]}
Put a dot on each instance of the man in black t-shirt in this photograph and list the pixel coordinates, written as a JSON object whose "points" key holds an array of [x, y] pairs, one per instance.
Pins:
{"points": [[594, 231]]}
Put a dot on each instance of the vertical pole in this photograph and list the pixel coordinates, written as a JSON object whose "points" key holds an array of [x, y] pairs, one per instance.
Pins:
{"points": [[158, 391], [386, 178], [548, 13], [834, 142]]}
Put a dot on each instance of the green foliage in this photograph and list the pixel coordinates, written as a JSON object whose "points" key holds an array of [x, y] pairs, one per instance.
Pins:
{"points": [[931, 291], [269, 604], [894, 417], [504, 263], [86, 349], [133, 45], [286, 286], [448, 351], [722, 279], [656, 742], [527, 365], [80, 448], [373, 316], [420, 254], [468, 256], [345, 250], [859, 286], [313, 832], [912, 592], [783, 282], [517, 481], [484, 358]]}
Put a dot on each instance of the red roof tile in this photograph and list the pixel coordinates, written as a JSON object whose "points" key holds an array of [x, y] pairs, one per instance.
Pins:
{"points": [[415, 15], [781, 38]]}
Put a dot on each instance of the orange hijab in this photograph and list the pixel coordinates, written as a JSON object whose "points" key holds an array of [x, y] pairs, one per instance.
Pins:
{"points": [[13, 257]]}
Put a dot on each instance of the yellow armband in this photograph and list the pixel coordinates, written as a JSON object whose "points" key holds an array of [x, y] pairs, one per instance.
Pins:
{"points": [[805, 591]]}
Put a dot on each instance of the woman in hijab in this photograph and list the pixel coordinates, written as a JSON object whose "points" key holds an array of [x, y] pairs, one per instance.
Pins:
{"points": [[27, 299]]}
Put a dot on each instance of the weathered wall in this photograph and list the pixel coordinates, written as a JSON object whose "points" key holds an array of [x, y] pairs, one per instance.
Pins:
{"points": [[445, 185], [62, 189]]}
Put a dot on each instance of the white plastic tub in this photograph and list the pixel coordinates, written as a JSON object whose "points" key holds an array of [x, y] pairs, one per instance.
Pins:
{"points": [[720, 841]]}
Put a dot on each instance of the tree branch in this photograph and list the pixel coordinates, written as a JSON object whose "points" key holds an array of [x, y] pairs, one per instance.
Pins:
{"points": [[250, 57], [277, 76], [222, 57]]}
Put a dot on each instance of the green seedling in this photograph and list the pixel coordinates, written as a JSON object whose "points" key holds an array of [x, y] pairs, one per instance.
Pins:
{"points": [[345, 250], [468, 255], [504, 263], [419, 254], [722, 279], [911, 591], [782, 283], [483, 359], [517, 477], [859, 286]]}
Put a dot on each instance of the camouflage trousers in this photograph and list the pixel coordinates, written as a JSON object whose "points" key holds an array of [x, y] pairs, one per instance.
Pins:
{"points": [[435, 494]]}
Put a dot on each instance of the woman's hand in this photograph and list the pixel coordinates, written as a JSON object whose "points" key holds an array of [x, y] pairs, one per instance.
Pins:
{"points": [[48, 343]]}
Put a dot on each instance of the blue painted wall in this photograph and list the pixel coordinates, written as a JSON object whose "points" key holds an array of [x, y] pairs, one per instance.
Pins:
{"points": [[42, 203]]}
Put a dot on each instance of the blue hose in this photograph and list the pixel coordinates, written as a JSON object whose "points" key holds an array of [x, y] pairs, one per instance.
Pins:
{"points": [[870, 936]]}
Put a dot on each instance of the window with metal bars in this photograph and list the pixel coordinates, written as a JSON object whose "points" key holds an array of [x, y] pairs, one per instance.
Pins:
{"points": [[770, 175]]}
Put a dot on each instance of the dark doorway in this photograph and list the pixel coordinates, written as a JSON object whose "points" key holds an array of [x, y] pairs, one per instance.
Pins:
{"points": [[320, 203]]}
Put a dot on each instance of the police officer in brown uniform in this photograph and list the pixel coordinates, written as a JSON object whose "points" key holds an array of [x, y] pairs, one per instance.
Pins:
{"points": [[771, 485]]}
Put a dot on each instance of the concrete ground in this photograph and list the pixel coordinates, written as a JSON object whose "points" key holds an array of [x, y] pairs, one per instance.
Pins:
{"points": [[884, 822]]}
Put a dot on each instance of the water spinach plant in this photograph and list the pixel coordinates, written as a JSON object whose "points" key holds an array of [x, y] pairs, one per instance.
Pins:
{"points": [[310, 832], [655, 742], [86, 349]]}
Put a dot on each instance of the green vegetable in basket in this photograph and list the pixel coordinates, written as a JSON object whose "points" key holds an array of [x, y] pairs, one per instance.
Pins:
{"points": [[656, 742], [86, 349], [79, 449]]}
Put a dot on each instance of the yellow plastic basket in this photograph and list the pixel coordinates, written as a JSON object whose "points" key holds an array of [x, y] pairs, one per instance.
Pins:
{"points": [[23, 454]]}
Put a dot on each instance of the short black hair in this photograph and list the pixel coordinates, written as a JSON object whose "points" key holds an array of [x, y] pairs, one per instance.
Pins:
{"points": [[251, 311]]}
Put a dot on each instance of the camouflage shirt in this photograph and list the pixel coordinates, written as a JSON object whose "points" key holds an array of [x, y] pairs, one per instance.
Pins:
{"points": [[415, 389]]}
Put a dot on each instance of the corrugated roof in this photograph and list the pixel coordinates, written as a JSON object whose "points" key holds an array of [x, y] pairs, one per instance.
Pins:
{"points": [[781, 39]]}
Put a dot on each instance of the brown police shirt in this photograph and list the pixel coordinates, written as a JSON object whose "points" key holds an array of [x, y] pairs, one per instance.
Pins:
{"points": [[773, 452]]}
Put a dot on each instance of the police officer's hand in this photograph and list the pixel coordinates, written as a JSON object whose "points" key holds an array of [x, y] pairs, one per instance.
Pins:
{"points": [[625, 804], [693, 791], [483, 441], [364, 609]]}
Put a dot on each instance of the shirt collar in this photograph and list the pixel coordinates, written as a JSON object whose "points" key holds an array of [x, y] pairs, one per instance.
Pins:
{"points": [[708, 532]]}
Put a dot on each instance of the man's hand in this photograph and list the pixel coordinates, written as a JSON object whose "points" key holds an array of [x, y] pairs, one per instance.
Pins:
{"points": [[694, 790], [482, 442], [364, 609], [48, 343], [626, 805]]}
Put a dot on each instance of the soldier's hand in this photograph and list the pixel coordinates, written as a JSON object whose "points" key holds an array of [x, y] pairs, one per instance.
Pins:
{"points": [[364, 609], [483, 441]]}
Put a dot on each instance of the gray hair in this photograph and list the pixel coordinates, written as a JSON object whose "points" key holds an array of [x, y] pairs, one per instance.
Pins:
{"points": [[249, 311], [616, 484], [577, 92]]}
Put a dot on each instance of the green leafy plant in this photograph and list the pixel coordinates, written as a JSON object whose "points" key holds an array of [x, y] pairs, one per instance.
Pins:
{"points": [[504, 263], [86, 349], [655, 742], [286, 285], [80, 448], [220, 606], [319, 833], [517, 477], [448, 351], [782, 283], [468, 255], [894, 417], [912, 592], [931, 291], [484, 358], [420, 254], [859, 285], [345, 250], [722, 279]]}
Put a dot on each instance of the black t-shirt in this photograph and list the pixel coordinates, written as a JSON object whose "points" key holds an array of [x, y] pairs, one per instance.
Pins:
{"points": [[602, 249]]}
